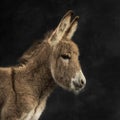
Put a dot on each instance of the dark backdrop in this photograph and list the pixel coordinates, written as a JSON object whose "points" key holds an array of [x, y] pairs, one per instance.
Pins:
{"points": [[98, 37]]}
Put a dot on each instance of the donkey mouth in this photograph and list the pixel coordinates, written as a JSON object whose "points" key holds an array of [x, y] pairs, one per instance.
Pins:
{"points": [[77, 87], [77, 91]]}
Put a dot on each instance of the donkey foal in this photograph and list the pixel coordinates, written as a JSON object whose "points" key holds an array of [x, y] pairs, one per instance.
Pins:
{"points": [[24, 88]]}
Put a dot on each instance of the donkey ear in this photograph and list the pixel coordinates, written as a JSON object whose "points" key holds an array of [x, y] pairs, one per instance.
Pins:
{"points": [[70, 32], [61, 29]]}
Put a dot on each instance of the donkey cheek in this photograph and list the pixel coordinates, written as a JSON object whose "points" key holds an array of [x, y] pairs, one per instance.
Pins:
{"points": [[62, 80]]}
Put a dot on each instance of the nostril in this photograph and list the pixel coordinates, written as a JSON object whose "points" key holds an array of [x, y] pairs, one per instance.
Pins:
{"points": [[82, 82]]}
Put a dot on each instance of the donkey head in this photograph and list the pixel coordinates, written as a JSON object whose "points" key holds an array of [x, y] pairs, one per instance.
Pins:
{"points": [[64, 62]]}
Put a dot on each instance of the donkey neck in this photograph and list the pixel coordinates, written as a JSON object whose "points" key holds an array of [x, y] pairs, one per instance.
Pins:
{"points": [[37, 71]]}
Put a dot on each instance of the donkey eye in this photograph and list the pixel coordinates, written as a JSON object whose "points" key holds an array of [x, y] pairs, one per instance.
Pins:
{"points": [[65, 56]]}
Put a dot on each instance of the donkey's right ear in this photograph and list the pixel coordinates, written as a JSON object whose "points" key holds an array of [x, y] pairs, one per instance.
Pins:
{"points": [[61, 29], [70, 32]]}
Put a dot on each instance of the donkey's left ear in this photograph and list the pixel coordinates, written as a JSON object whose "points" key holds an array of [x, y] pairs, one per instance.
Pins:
{"points": [[72, 28]]}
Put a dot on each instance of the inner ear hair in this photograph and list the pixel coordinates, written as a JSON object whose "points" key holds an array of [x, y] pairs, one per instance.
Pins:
{"points": [[61, 29]]}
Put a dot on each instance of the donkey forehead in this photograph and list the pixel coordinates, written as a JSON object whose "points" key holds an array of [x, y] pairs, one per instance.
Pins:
{"points": [[67, 47]]}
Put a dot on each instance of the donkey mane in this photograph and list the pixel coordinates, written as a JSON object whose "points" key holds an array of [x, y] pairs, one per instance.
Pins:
{"points": [[34, 50]]}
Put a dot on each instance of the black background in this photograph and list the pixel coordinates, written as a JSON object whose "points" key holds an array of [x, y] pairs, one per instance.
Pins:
{"points": [[98, 37]]}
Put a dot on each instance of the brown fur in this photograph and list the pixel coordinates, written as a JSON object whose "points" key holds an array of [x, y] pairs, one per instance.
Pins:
{"points": [[65, 70], [24, 88]]}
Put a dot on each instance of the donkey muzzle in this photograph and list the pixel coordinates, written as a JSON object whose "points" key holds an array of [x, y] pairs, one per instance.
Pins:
{"points": [[78, 82]]}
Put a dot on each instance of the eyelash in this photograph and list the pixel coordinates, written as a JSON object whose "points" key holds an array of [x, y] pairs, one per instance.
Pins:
{"points": [[66, 57]]}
